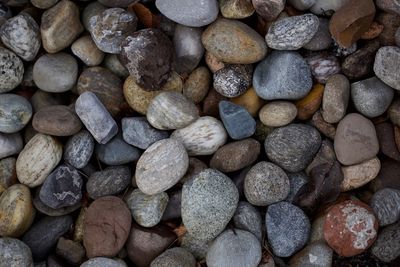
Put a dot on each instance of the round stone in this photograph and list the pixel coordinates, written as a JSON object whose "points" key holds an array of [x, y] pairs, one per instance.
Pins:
{"points": [[44, 4], [336, 98], [386, 247], [79, 149], [268, 10], [357, 175], [174, 257], [248, 218], [278, 113], [237, 120], [233, 80], [112, 63], [386, 60], [322, 38], [91, 10], [11, 70], [197, 84], [315, 254], [15, 112], [104, 262], [86, 50], [117, 152], [15, 253], [386, 206], [236, 9], [110, 181], [8, 177], [10, 144], [42, 208]]}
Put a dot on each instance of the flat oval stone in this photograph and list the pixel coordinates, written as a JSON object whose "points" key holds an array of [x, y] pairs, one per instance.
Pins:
{"points": [[15, 253], [278, 113], [237, 120], [315, 254], [236, 9], [293, 147], [161, 166], [386, 247], [38, 158], [117, 152], [234, 42], [210, 189], [386, 60], [10, 144], [86, 50], [15, 112], [292, 33], [336, 98], [202, 137], [385, 204], [104, 262], [282, 75], [11, 70], [223, 251], [233, 80], [190, 13], [79, 149], [174, 257], [248, 218], [357, 175]]}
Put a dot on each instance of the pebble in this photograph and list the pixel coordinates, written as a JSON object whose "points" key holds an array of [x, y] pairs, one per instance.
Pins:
{"points": [[386, 60], [321, 40], [387, 142], [293, 147], [327, 7], [148, 55], [197, 84], [394, 112], [109, 181], [233, 80], [374, 31], [357, 175], [315, 254], [269, 10], [195, 246], [388, 175], [147, 210], [170, 111], [72, 252], [323, 66], [237, 120], [288, 228], [371, 97], [8, 177], [110, 28], [106, 227], [224, 250], [388, 6], [55, 73], [112, 63], [278, 113], [211, 102], [17, 212], [391, 23], [190, 13], [86, 50], [385, 204], [350, 227], [79, 149], [250, 101], [21, 35], [118, 3], [298, 181], [210, 189], [265, 184], [308, 105], [173, 209], [355, 140], [282, 75], [236, 155], [234, 42], [96, 117], [38, 158], [174, 257], [292, 33], [302, 4], [42, 237], [11, 70], [91, 10], [386, 247], [213, 63], [103, 262], [161, 166], [336, 98], [202, 137], [16, 113], [15, 253], [236, 9], [10, 144], [42, 208], [41, 99], [44, 4], [117, 152], [248, 218]]}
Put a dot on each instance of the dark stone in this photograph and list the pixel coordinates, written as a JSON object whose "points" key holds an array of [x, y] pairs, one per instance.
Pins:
{"points": [[173, 209], [387, 144], [388, 176], [79, 149], [386, 206], [43, 208], [138, 132], [237, 120], [71, 251], [117, 152]]}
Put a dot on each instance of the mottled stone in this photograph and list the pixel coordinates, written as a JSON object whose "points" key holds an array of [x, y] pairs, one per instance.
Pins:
{"points": [[117, 152], [322, 38], [237, 120], [195, 246], [8, 176], [315, 254], [11, 70], [385, 66], [269, 10], [236, 9], [15, 253], [233, 80], [323, 66], [386, 247], [104, 262], [394, 112], [385, 204], [213, 62], [336, 98], [79, 149], [86, 50], [248, 218], [15, 112], [197, 84], [389, 6], [72, 252], [390, 22], [43, 208], [91, 10], [112, 63], [10, 144], [298, 181], [278, 113], [110, 181], [174, 257], [357, 175]]}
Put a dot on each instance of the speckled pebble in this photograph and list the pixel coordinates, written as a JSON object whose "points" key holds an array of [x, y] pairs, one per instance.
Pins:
{"points": [[79, 149], [233, 80], [11, 70], [15, 253], [15, 112], [386, 205], [248, 218], [176, 256], [110, 181], [278, 113], [117, 152]]}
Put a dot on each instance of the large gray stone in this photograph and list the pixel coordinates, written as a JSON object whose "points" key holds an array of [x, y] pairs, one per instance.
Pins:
{"points": [[248, 218], [117, 152], [14, 253], [386, 205], [387, 61], [110, 181]]}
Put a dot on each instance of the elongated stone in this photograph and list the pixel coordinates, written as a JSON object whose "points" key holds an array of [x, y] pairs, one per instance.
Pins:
{"points": [[79, 149], [15, 112]]}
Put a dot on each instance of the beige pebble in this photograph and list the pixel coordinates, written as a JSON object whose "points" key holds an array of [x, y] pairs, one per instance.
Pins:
{"points": [[278, 113], [197, 84], [355, 176], [86, 50]]}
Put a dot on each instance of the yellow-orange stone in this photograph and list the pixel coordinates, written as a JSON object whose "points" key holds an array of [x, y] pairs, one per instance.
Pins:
{"points": [[250, 101], [308, 105]]}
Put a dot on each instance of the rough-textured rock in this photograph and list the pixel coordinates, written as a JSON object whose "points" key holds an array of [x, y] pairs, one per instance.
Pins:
{"points": [[237, 120], [86, 50], [8, 176], [79, 149], [174, 257], [323, 66], [233, 80], [11, 70], [315, 254], [10, 144], [195, 246], [336, 98], [386, 60], [357, 175], [278, 113], [236, 9], [322, 38], [117, 152], [387, 140], [386, 247], [104, 262], [249, 219], [385, 204], [269, 10], [15, 112], [15, 253], [110, 181]]}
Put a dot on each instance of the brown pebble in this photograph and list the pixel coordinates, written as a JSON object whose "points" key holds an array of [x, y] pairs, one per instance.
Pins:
{"points": [[213, 62], [390, 22], [387, 143], [210, 103], [325, 128], [308, 105], [374, 30], [197, 84], [250, 101]]}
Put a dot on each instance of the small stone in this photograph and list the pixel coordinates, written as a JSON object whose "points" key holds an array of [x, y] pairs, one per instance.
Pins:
{"points": [[86, 50], [250, 101], [293, 147], [386, 247], [91, 10], [341, 51], [391, 23], [21, 34], [234, 42], [171, 110], [322, 38], [8, 176], [42, 237], [394, 112], [197, 84], [202, 137], [388, 175], [95, 117], [15, 253], [357, 175], [223, 251], [298, 182], [16, 112], [248, 218], [43, 208], [302, 4], [60, 26], [72, 251], [315, 254], [387, 143], [389, 6], [350, 227], [38, 158], [44, 4], [174, 257], [104, 262], [385, 204], [355, 140], [79, 149], [210, 189], [236, 9], [269, 10], [327, 8], [112, 63], [106, 227], [117, 152], [41, 99], [10, 144], [161, 166], [323, 66], [110, 181], [237, 120], [336, 98], [11, 70], [236, 155], [386, 60], [146, 210], [278, 113], [374, 31], [118, 3], [211, 102], [233, 80], [325, 155], [213, 62], [55, 73], [288, 228], [282, 75], [307, 106], [195, 246], [292, 33], [173, 209]]}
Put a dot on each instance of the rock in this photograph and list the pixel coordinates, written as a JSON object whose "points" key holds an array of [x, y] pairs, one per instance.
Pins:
{"points": [[106, 227], [174, 257], [307, 106], [394, 112], [148, 55], [10, 144], [298, 181], [118, 3], [41, 99], [234, 42], [336, 98], [44, 4], [387, 176], [21, 34], [327, 7], [15, 253], [325, 155], [386, 247], [195, 246], [147, 210], [397, 37], [202, 137], [302, 4], [357, 175], [235, 155], [210, 188], [197, 84], [189, 13], [293, 147], [355, 140], [350, 227], [384, 68], [72, 251], [8, 177], [213, 62], [288, 228], [278, 113], [173, 209], [236, 9], [211, 102], [250, 101], [11, 70], [315, 254], [110, 181], [282, 75], [55, 73], [371, 97], [388, 6], [79, 149], [323, 66], [112, 63], [249, 219], [385, 204], [223, 251], [387, 143], [110, 28], [269, 10], [391, 23], [117, 152], [42, 237], [237, 120], [321, 40], [351, 20], [95, 117], [374, 31], [42, 208], [171, 110], [16, 112], [292, 33], [233, 80], [38, 158], [104, 262], [91, 10], [17, 212], [86, 50], [161, 166]]}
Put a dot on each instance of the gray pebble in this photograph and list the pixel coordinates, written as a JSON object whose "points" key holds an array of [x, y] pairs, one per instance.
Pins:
{"points": [[195, 246], [317, 254], [386, 205], [387, 246], [103, 262], [174, 257], [15, 112], [301, 4], [112, 63], [173, 209], [110, 181], [248, 218], [41, 207], [322, 39], [14, 253], [386, 64], [91, 10], [297, 181], [10, 144], [79, 149], [117, 152], [335, 98], [233, 80], [11, 70]]}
